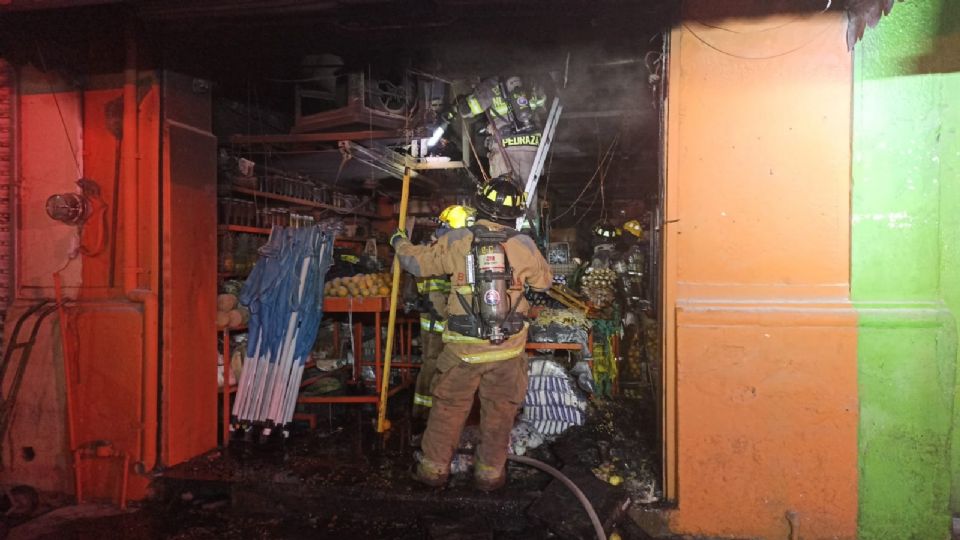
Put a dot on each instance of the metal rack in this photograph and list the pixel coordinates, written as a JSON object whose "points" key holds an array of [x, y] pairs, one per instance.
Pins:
{"points": [[375, 307]]}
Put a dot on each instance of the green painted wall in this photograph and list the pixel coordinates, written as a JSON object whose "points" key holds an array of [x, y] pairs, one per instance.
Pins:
{"points": [[905, 271]]}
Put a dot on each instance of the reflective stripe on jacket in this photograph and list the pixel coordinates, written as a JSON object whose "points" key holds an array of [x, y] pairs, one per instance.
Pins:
{"points": [[429, 324], [433, 284], [422, 400]]}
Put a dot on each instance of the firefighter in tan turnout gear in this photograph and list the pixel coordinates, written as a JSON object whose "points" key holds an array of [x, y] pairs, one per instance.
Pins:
{"points": [[513, 127], [489, 265], [434, 292]]}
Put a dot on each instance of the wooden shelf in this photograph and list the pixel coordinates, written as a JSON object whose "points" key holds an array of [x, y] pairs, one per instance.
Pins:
{"points": [[369, 304], [302, 202], [266, 232], [241, 328], [300, 138], [243, 229]]}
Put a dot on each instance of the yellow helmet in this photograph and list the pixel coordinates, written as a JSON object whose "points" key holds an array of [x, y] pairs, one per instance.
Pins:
{"points": [[458, 216], [633, 227]]}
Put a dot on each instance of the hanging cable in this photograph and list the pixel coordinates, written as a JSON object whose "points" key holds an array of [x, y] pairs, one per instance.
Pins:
{"points": [[794, 20], [597, 193], [603, 195], [586, 186], [483, 173], [701, 39], [63, 122]]}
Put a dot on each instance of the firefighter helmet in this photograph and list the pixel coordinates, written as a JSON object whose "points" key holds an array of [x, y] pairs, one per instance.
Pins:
{"points": [[458, 216], [633, 227], [604, 230], [500, 198]]}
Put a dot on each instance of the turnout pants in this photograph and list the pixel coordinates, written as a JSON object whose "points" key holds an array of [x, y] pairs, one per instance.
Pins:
{"points": [[515, 159], [501, 385], [431, 344]]}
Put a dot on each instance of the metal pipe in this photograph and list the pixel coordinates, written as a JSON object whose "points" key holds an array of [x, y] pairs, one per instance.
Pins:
{"points": [[68, 388], [146, 443], [124, 481]]}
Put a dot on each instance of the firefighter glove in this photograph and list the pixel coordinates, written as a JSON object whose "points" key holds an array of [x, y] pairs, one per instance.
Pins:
{"points": [[397, 236]]}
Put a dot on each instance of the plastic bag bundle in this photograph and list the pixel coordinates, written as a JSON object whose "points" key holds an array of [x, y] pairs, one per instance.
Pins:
{"points": [[552, 404]]}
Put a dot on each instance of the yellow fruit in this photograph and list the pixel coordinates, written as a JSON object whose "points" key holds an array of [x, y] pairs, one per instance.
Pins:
{"points": [[383, 291], [342, 292], [336, 283]]}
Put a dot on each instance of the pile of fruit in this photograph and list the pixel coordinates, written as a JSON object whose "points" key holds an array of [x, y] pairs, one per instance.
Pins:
{"points": [[230, 314], [359, 286], [598, 284]]}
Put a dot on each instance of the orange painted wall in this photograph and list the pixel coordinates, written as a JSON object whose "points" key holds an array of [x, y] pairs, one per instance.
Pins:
{"points": [[759, 332], [105, 330], [44, 166]]}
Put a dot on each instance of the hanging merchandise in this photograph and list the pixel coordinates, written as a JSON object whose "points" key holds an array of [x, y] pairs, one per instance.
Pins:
{"points": [[560, 326], [605, 371], [284, 294], [598, 284]]}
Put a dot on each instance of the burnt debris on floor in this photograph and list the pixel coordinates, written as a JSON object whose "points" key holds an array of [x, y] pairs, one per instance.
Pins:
{"points": [[342, 479]]}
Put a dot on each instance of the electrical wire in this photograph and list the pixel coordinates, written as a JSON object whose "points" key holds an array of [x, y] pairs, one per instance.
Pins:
{"points": [[593, 201], [63, 122], [701, 39], [614, 142], [483, 173], [603, 194], [597, 193], [770, 29]]}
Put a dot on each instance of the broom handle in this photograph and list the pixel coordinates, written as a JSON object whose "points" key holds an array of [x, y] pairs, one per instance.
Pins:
{"points": [[382, 422]]}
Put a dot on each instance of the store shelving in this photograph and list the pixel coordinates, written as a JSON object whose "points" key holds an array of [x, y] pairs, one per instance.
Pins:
{"points": [[303, 202]]}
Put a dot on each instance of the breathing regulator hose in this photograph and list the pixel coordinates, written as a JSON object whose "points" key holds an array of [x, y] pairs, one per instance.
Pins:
{"points": [[594, 519]]}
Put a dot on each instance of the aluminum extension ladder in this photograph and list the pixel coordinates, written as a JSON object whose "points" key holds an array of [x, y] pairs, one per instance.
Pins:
{"points": [[549, 129]]}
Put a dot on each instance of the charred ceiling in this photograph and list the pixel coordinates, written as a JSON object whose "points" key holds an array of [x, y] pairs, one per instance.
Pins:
{"points": [[603, 57]]}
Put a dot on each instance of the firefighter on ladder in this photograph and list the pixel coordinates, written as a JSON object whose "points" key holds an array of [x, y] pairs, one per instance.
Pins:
{"points": [[489, 264], [434, 292], [514, 131]]}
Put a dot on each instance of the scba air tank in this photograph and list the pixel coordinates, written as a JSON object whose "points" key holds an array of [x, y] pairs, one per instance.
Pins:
{"points": [[491, 287]]}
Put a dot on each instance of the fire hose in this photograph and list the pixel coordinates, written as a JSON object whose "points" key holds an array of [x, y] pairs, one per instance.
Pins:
{"points": [[594, 519]]}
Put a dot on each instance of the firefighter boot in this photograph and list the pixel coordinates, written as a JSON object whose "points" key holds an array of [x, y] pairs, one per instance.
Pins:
{"points": [[487, 478], [431, 474]]}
